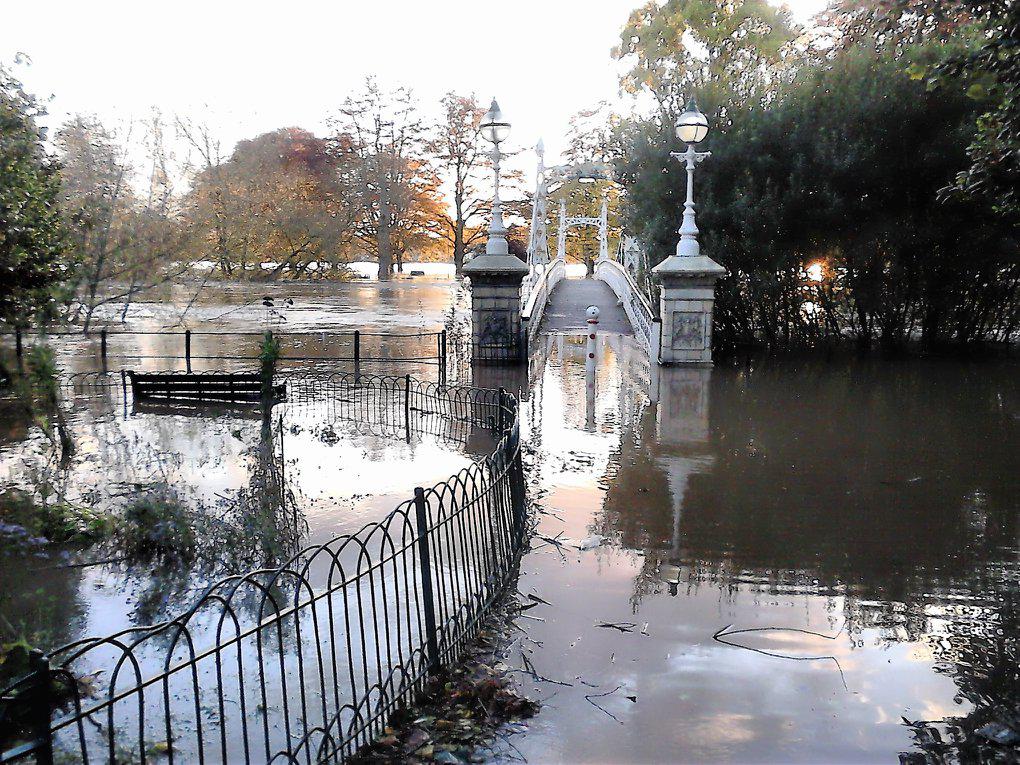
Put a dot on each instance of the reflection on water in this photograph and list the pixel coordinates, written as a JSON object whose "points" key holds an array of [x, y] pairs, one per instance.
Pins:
{"points": [[339, 474], [864, 513], [253, 485]]}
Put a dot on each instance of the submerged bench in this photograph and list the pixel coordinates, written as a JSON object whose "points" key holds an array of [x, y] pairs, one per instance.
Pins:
{"points": [[204, 386]]}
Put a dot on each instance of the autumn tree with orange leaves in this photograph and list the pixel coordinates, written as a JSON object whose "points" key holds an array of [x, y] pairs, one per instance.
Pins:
{"points": [[277, 207], [380, 139]]}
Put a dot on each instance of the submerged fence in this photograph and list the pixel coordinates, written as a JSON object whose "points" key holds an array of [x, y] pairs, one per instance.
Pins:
{"points": [[304, 662], [355, 347]]}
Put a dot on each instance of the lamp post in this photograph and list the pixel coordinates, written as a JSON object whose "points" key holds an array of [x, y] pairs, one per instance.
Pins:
{"points": [[498, 334], [688, 278], [495, 129], [691, 128]]}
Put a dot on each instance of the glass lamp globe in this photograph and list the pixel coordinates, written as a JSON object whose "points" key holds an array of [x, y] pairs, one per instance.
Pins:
{"points": [[494, 126], [692, 126]]}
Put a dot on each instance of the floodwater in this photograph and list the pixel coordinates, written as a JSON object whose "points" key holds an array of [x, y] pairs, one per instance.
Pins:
{"points": [[340, 470], [773, 562], [769, 563]]}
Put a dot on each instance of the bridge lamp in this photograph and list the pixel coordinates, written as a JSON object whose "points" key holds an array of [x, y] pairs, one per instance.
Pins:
{"points": [[691, 128], [495, 129]]}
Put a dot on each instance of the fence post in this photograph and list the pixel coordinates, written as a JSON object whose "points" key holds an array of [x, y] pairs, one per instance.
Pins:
{"points": [[431, 630], [442, 354], [17, 341], [502, 411], [357, 357], [407, 406], [518, 492], [187, 348], [40, 706], [102, 344], [439, 355]]}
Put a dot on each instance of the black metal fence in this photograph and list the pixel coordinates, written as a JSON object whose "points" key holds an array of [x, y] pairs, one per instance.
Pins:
{"points": [[304, 662], [356, 347]]}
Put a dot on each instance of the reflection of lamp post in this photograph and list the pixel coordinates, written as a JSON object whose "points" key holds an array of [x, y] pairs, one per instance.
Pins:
{"points": [[495, 129], [691, 128]]}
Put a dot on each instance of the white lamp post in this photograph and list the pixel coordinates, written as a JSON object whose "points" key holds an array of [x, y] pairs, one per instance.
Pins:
{"points": [[691, 128], [497, 331], [688, 278], [495, 129]]}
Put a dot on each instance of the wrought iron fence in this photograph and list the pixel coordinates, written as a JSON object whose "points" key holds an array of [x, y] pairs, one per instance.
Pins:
{"points": [[303, 662]]}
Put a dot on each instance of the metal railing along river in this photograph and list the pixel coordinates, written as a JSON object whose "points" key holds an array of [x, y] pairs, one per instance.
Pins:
{"points": [[305, 661], [356, 347]]}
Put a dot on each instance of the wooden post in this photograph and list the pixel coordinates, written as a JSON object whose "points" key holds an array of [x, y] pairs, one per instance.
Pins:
{"points": [[17, 341], [102, 345], [187, 348], [425, 566]]}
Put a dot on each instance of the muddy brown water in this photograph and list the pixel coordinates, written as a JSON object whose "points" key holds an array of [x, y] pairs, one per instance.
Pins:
{"points": [[769, 563], [786, 559]]}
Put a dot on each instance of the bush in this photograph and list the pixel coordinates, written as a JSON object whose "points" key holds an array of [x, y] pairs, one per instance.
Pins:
{"points": [[26, 522], [157, 526]]}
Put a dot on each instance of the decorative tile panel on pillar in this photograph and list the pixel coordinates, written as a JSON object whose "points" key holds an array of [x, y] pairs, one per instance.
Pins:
{"points": [[496, 308], [686, 301]]}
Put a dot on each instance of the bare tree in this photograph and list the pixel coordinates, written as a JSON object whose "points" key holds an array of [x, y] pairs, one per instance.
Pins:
{"points": [[457, 148], [380, 142], [200, 138], [121, 246]]}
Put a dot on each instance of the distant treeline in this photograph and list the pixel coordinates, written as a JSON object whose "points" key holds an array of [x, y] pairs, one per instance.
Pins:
{"points": [[98, 216]]}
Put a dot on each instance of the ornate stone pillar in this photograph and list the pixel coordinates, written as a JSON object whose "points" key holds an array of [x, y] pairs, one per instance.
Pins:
{"points": [[686, 301], [496, 331]]}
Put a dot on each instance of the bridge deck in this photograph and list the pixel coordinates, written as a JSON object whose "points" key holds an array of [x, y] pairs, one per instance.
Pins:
{"points": [[570, 298]]}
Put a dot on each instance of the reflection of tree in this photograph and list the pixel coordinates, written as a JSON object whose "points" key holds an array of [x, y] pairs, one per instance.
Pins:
{"points": [[888, 491], [259, 527], [859, 483], [984, 662]]}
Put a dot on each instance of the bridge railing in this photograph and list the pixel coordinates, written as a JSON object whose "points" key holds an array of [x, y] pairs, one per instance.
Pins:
{"points": [[538, 297], [647, 328]]}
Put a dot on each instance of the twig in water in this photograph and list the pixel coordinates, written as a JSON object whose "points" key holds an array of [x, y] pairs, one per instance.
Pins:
{"points": [[723, 633], [85, 564], [529, 668], [621, 626], [589, 697]]}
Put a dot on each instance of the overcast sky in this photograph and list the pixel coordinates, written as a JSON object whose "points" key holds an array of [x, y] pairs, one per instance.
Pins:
{"points": [[251, 67]]}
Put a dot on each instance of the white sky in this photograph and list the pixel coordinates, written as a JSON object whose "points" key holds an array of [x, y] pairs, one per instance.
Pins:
{"points": [[252, 67]]}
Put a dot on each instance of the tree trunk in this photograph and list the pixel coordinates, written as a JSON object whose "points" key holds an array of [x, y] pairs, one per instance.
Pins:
{"points": [[385, 253], [458, 250]]}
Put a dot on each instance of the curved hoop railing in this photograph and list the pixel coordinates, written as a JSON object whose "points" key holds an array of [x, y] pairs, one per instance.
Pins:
{"points": [[634, 302], [538, 296], [306, 661]]}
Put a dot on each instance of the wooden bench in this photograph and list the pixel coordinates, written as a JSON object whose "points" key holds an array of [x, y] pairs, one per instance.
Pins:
{"points": [[238, 387]]}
